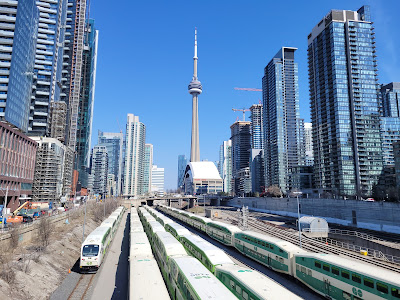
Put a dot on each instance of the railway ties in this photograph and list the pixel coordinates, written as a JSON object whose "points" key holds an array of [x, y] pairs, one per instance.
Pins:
{"points": [[313, 245], [82, 286]]}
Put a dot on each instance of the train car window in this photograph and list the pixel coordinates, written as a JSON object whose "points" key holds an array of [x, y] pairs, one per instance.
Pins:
{"points": [[280, 250], [309, 272], [303, 270], [346, 274], [326, 267], [369, 283], [395, 293], [245, 295], [317, 264], [346, 296], [382, 287], [297, 267], [356, 278], [232, 284], [238, 289], [271, 246], [335, 270]]}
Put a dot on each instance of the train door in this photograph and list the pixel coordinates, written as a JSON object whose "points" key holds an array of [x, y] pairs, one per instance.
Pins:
{"points": [[269, 260], [327, 287]]}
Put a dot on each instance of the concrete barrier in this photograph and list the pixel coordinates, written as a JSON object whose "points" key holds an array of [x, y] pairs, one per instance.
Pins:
{"points": [[380, 216]]}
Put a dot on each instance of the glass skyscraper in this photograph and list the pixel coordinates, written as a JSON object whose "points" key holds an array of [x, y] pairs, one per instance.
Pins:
{"points": [[241, 145], [390, 97], [225, 165], [283, 151], [182, 163], [256, 118], [19, 22], [134, 156], [344, 103], [148, 165], [48, 64], [113, 142], [86, 104]]}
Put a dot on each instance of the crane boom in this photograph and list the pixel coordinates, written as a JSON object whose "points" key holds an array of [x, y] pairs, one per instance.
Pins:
{"points": [[248, 89], [243, 110]]}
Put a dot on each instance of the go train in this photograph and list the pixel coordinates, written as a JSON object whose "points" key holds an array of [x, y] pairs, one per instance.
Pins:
{"points": [[175, 241], [97, 242], [331, 276]]}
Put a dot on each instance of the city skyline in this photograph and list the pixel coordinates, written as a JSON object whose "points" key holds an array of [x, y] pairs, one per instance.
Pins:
{"points": [[220, 70]]}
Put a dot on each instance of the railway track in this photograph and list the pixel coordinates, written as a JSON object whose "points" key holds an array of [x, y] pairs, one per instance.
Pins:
{"points": [[82, 286], [310, 244]]}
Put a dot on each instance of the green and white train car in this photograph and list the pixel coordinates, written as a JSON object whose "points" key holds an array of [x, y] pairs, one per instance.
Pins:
{"points": [[270, 251], [190, 280], [110, 223], [225, 233], [199, 222], [94, 249], [176, 230], [208, 254], [140, 245], [249, 284], [336, 277], [165, 247]]}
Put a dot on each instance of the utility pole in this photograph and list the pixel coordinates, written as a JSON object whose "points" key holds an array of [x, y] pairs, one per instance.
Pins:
{"points": [[4, 209], [84, 221]]}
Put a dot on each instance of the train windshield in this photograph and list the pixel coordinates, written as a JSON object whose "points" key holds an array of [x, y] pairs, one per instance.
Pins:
{"points": [[90, 250]]}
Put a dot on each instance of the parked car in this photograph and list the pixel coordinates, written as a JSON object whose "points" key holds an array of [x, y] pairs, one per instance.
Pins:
{"points": [[36, 214], [27, 219], [370, 200]]}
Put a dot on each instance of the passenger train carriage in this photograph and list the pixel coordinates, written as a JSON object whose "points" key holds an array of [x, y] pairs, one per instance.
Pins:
{"points": [[329, 275], [176, 230], [271, 252], [245, 283], [222, 232], [94, 247], [339, 278], [191, 280], [208, 254]]}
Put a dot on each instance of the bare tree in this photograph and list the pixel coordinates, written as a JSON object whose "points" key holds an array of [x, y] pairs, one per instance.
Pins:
{"points": [[44, 232], [274, 191], [14, 237]]}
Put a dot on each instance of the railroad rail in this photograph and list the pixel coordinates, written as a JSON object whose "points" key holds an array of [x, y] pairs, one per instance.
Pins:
{"points": [[311, 244], [82, 286]]}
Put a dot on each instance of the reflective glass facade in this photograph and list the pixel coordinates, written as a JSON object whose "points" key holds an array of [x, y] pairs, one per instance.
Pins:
{"points": [[17, 56], [48, 64], [344, 103], [241, 145], [86, 104], [182, 163], [148, 165], [225, 165], [283, 147], [390, 130], [390, 97], [256, 118], [113, 142]]}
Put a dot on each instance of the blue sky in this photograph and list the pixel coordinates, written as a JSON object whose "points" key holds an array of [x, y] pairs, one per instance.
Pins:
{"points": [[145, 62]]}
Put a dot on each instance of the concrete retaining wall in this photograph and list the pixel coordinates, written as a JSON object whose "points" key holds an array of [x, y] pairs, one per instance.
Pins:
{"points": [[380, 216], [30, 232]]}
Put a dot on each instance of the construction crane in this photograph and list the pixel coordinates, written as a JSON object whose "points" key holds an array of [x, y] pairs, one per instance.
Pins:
{"points": [[248, 89], [242, 110]]}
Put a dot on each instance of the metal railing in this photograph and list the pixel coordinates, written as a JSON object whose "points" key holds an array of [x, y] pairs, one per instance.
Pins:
{"points": [[355, 248]]}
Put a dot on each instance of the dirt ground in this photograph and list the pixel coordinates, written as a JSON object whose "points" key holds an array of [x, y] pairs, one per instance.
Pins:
{"points": [[35, 271]]}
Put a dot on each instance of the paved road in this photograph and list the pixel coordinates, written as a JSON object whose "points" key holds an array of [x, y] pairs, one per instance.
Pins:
{"points": [[112, 279]]}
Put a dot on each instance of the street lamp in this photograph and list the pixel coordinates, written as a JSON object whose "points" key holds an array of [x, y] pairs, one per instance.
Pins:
{"points": [[298, 213]]}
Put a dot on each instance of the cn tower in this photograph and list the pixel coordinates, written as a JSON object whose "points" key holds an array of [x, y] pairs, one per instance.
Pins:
{"points": [[195, 89]]}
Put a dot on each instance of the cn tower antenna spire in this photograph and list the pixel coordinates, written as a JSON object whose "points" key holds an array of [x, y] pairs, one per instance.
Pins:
{"points": [[195, 90]]}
